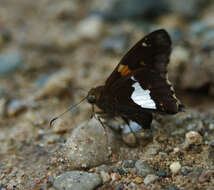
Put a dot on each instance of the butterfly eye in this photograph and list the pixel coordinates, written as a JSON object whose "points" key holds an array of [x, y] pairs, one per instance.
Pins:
{"points": [[91, 99]]}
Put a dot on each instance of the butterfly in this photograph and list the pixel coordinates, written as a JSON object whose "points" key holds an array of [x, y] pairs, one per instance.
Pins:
{"points": [[139, 85]]}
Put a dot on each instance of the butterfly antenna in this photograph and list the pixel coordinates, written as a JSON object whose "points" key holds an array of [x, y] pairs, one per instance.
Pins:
{"points": [[71, 107]]}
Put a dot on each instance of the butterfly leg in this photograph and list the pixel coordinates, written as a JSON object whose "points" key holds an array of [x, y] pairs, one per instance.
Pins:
{"points": [[127, 122], [105, 132]]}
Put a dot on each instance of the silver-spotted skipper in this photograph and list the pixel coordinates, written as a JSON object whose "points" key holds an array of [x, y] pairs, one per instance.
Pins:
{"points": [[139, 85]]}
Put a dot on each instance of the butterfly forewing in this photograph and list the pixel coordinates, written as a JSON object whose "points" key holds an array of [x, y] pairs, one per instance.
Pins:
{"points": [[152, 52]]}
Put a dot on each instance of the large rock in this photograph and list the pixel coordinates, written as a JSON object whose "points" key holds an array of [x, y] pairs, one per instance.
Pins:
{"points": [[89, 146]]}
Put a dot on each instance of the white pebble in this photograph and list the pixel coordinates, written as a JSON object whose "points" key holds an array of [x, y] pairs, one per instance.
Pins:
{"points": [[193, 137], [175, 167], [176, 149]]}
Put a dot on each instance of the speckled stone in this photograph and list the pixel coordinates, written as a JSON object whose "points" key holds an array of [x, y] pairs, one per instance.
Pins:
{"points": [[77, 180], [87, 146]]}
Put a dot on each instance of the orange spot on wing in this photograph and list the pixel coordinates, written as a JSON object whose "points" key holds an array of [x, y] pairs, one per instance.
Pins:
{"points": [[125, 71]]}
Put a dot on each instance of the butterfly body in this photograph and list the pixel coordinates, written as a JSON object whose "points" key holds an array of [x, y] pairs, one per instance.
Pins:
{"points": [[139, 85]]}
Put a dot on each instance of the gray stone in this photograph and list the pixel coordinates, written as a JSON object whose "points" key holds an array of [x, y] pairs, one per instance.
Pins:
{"points": [[143, 168], [89, 146], [77, 180], [10, 63], [162, 173], [152, 151], [150, 179], [129, 163]]}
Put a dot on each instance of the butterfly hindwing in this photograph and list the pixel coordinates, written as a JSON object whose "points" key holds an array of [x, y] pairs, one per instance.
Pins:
{"points": [[144, 89]]}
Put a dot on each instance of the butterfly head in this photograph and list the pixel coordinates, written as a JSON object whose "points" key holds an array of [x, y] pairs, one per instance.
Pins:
{"points": [[94, 95]]}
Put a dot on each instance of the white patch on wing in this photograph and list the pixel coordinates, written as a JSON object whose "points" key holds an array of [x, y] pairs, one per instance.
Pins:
{"points": [[142, 97]]}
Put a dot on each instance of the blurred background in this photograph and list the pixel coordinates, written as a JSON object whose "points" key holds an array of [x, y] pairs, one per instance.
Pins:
{"points": [[51, 50], [78, 44]]}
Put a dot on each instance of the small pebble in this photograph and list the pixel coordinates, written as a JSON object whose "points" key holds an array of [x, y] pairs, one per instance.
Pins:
{"points": [[162, 173], [138, 180], [175, 167], [121, 171], [105, 176], [186, 170], [176, 149], [115, 176], [143, 168], [150, 179], [129, 164], [152, 151], [130, 139], [191, 138]]}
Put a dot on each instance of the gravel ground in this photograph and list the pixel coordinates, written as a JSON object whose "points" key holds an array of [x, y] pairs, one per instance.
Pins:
{"points": [[52, 52]]}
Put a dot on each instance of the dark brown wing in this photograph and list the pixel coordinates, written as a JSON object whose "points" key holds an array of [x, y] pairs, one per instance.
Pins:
{"points": [[140, 93], [147, 90], [152, 52]]}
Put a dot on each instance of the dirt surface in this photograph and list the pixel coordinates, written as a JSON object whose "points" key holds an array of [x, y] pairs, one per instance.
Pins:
{"points": [[52, 52]]}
